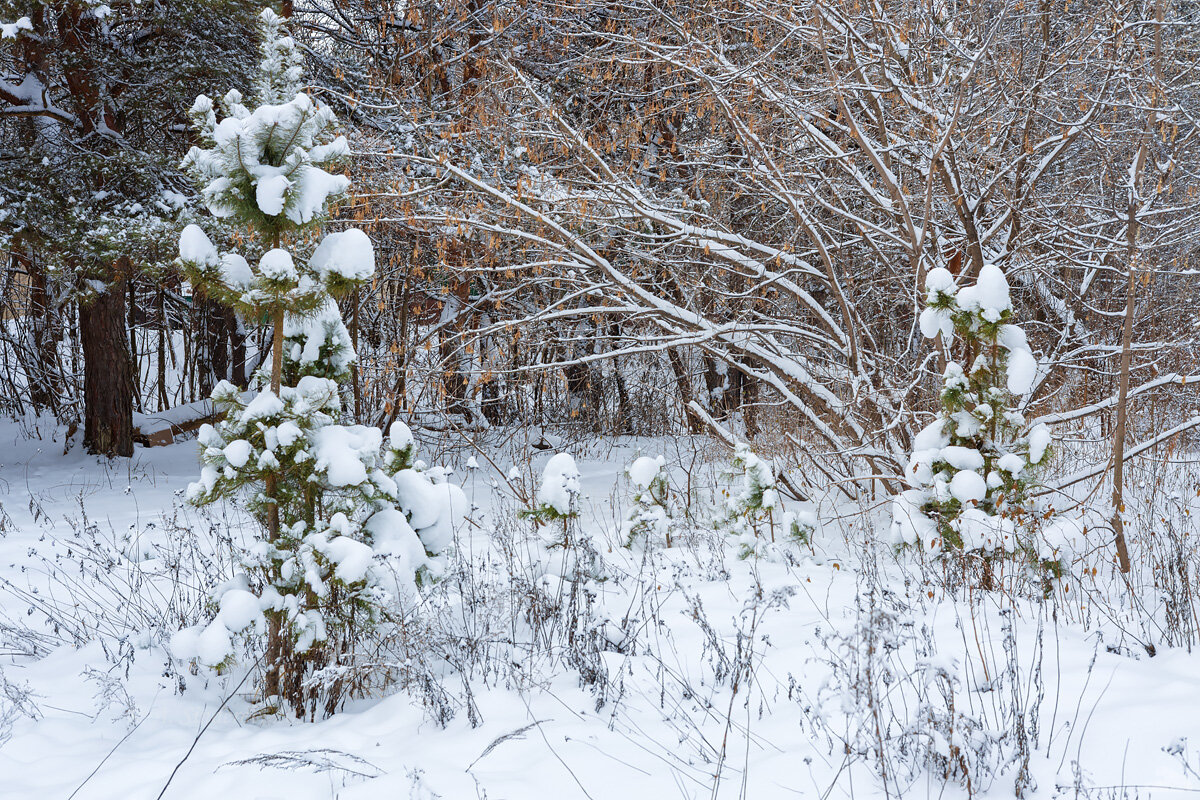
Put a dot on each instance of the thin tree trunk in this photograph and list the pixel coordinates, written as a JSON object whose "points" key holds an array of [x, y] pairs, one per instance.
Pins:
{"points": [[135, 367], [164, 332], [354, 302], [1118, 500], [43, 376], [683, 382], [275, 642], [237, 349]]}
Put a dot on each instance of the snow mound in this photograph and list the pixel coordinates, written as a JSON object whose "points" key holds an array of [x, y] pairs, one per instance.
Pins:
{"points": [[560, 488]]}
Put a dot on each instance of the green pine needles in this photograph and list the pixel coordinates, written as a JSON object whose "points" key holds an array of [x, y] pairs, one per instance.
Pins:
{"points": [[348, 524], [972, 468]]}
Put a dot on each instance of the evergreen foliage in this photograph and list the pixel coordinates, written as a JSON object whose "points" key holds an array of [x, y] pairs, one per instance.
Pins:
{"points": [[650, 518], [972, 468], [340, 507]]}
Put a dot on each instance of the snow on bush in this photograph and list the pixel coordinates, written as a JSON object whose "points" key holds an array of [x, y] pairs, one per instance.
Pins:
{"points": [[971, 468], [650, 518], [753, 510], [350, 524], [558, 494], [565, 554]]}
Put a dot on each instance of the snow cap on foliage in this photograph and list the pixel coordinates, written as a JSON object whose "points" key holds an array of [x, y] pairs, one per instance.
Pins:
{"points": [[10, 30], [645, 469], [277, 265], [987, 301], [344, 453], [560, 485], [347, 255], [435, 507], [235, 271], [195, 246], [400, 436], [989, 297], [758, 480]]}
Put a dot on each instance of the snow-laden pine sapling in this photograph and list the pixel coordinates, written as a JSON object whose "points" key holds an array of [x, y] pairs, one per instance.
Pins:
{"points": [[557, 497], [972, 468], [349, 523], [650, 518], [800, 526], [568, 555], [752, 503]]}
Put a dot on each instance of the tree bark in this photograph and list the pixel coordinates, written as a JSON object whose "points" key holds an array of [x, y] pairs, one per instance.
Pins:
{"points": [[1131, 234], [278, 650], [42, 374], [107, 377]]}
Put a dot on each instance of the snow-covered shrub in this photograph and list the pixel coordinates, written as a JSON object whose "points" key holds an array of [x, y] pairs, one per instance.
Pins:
{"points": [[800, 526], [349, 522], [971, 468], [752, 506], [758, 493], [650, 517], [557, 496]]}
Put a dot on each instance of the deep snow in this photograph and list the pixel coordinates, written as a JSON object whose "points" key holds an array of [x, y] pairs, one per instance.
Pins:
{"points": [[670, 716]]}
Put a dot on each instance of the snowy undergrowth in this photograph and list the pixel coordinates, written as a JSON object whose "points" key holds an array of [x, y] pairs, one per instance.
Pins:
{"points": [[576, 667]]}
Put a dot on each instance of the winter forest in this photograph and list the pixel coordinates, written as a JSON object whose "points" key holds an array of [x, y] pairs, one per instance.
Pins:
{"points": [[522, 399]]}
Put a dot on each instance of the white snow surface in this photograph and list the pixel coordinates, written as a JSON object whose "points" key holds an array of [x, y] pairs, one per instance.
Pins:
{"points": [[935, 322], [1122, 714]]}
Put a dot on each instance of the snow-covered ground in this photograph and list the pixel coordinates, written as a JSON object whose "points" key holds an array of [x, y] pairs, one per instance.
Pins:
{"points": [[830, 671]]}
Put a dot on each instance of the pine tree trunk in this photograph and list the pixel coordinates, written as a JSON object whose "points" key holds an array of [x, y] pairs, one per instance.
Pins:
{"points": [[107, 379], [276, 646]]}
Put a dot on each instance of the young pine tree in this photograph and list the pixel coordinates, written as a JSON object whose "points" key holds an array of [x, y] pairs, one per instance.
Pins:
{"points": [[650, 517], [337, 504], [971, 469]]}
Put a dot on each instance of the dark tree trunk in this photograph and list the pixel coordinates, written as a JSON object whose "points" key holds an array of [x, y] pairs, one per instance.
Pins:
{"points": [[683, 382], [717, 385], [212, 352], [107, 380], [43, 374], [237, 347]]}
